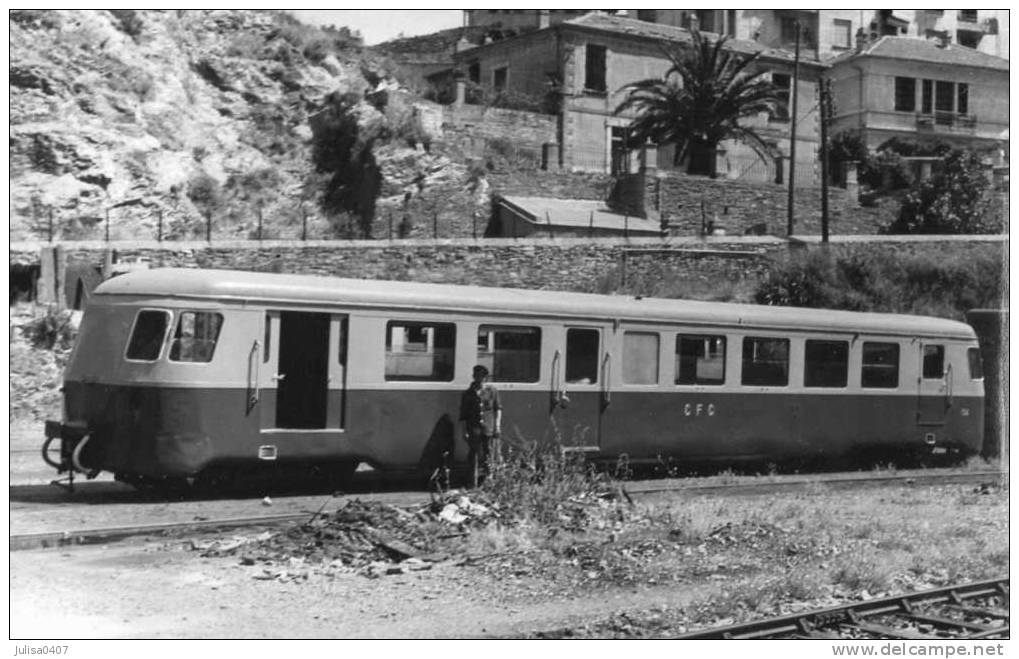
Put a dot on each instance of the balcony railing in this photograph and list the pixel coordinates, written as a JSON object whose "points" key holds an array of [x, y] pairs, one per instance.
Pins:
{"points": [[941, 119]]}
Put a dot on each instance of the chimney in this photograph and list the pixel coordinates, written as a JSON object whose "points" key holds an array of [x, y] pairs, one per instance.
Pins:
{"points": [[861, 40], [543, 19]]}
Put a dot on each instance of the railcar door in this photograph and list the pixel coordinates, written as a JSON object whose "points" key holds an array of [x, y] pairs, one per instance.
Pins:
{"points": [[577, 374], [302, 375], [934, 389]]}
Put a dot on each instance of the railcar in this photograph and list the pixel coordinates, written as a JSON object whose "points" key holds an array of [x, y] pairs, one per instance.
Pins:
{"points": [[183, 373]]}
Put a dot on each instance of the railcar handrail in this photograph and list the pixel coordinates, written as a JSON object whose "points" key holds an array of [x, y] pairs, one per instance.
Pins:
{"points": [[253, 383], [606, 373], [949, 380], [558, 395]]}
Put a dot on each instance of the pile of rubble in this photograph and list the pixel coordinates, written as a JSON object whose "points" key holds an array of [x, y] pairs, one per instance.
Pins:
{"points": [[370, 538]]}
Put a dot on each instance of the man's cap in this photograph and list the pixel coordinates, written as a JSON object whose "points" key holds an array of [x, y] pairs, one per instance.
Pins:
{"points": [[480, 370]]}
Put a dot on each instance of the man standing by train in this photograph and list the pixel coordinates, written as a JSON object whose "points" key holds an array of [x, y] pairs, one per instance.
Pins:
{"points": [[481, 415]]}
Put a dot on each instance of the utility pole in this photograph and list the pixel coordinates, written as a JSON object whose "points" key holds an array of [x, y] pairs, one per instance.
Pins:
{"points": [[792, 132], [826, 117]]}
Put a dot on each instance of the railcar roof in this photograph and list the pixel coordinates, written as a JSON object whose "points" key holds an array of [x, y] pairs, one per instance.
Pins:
{"points": [[260, 287]]}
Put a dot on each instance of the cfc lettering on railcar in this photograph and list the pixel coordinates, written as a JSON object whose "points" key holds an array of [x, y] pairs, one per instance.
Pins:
{"points": [[698, 409]]}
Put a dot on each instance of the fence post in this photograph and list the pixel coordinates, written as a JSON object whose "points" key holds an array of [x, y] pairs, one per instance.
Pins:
{"points": [[259, 221], [159, 227], [590, 225], [304, 224], [208, 226], [51, 224], [435, 225], [107, 225], [390, 224], [626, 226], [474, 224], [548, 221]]}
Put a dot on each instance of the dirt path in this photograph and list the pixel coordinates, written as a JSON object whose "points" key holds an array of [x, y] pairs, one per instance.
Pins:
{"points": [[158, 590]]}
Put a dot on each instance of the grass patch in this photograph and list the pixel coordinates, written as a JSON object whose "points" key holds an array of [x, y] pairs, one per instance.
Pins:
{"points": [[755, 556]]}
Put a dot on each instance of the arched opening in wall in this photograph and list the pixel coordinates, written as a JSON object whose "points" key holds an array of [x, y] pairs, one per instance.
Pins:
{"points": [[23, 280]]}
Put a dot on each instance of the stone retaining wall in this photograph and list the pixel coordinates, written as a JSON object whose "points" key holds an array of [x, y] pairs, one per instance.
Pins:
{"points": [[738, 206], [559, 264]]}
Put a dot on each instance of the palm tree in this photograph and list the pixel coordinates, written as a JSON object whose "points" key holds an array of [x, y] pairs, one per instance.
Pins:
{"points": [[700, 101]]}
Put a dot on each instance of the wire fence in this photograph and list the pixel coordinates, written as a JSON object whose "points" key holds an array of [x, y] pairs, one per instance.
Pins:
{"points": [[48, 224]]}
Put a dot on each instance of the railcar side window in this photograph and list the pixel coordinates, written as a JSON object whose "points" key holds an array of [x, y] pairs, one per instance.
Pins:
{"points": [[195, 338], [640, 358], [933, 362], [880, 367], [765, 361], [148, 335], [826, 364], [420, 351], [511, 354], [700, 359], [976, 366], [581, 356]]}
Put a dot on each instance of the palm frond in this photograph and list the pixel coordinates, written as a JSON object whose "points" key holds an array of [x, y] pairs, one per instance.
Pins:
{"points": [[702, 98]]}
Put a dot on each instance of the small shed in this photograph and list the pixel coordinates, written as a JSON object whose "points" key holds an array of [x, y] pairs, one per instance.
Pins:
{"points": [[520, 217]]}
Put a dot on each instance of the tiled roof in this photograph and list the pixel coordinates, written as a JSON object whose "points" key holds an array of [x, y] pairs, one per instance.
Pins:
{"points": [[646, 30], [926, 50]]}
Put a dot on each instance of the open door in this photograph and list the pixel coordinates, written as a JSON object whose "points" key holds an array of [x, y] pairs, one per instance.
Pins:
{"points": [[302, 370]]}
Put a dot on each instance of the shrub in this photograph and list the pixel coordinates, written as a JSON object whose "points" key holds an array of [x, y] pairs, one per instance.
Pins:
{"points": [[35, 18], [885, 170], [130, 23], [952, 201], [317, 50], [54, 329], [937, 285], [204, 192]]}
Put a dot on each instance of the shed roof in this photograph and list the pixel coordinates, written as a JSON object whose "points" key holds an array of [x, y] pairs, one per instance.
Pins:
{"points": [[227, 285], [925, 50], [579, 213]]}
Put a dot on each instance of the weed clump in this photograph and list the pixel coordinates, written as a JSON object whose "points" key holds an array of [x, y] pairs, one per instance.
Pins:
{"points": [[542, 483], [55, 329]]}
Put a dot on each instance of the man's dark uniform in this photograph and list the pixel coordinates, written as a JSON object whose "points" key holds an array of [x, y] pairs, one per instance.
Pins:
{"points": [[478, 406]]}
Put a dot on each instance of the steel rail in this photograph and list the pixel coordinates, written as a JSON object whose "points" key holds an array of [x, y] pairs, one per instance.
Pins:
{"points": [[912, 478], [116, 533], [113, 533], [856, 615]]}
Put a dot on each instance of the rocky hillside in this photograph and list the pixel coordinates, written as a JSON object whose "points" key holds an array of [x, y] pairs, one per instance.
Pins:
{"points": [[179, 117]]}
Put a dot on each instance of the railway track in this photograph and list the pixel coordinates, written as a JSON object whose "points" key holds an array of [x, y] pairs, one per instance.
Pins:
{"points": [[99, 534], [967, 611]]}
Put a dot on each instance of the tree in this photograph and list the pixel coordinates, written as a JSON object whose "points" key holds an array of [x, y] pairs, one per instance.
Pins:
{"points": [[700, 102], [954, 200]]}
